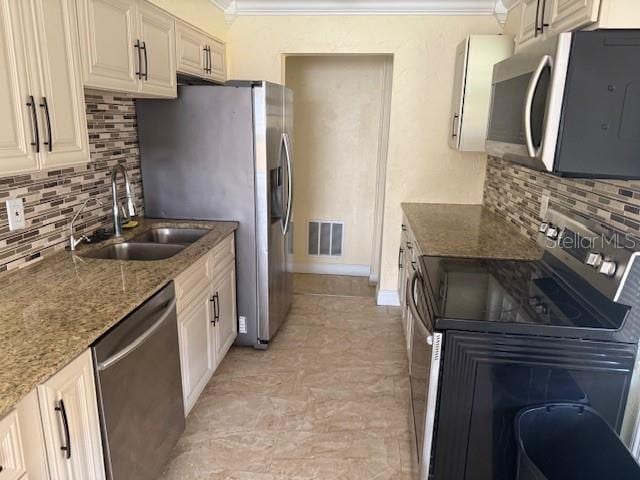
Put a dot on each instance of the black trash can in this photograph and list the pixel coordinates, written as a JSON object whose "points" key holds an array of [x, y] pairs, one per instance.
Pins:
{"points": [[568, 441]]}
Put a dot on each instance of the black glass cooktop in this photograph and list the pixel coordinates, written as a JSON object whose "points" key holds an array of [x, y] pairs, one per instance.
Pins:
{"points": [[516, 292]]}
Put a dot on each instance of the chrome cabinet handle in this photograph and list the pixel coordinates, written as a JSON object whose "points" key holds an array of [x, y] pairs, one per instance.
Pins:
{"points": [[540, 23], [546, 61], [146, 62], [34, 122], [400, 254], [137, 47], [116, 357], [205, 68], [287, 151], [66, 448], [45, 106], [215, 302]]}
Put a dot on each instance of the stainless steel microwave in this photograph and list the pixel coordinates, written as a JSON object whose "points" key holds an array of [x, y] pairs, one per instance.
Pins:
{"points": [[570, 105]]}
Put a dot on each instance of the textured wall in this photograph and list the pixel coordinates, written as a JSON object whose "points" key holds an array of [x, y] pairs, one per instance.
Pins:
{"points": [[421, 167], [201, 13], [52, 197], [337, 110], [515, 192]]}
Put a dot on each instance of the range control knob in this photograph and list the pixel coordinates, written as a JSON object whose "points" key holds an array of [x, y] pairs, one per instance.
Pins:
{"points": [[594, 259], [552, 232], [543, 227], [608, 267]]}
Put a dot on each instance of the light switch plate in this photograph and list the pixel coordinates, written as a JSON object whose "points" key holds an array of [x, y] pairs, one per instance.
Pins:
{"points": [[15, 213]]}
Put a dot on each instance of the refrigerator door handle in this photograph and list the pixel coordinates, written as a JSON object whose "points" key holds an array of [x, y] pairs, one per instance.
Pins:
{"points": [[287, 151]]}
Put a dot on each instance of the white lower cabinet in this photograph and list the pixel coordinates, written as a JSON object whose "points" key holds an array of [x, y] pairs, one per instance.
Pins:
{"points": [[225, 314], [70, 422], [197, 351], [12, 465], [207, 318]]}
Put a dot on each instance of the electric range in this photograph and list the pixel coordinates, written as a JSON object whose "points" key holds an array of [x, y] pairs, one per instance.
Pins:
{"points": [[493, 336]]}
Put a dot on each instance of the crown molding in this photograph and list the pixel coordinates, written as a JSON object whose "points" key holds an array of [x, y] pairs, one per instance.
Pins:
{"points": [[356, 7], [509, 4]]}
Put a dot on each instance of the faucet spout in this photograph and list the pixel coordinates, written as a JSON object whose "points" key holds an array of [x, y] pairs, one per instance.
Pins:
{"points": [[115, 206]]}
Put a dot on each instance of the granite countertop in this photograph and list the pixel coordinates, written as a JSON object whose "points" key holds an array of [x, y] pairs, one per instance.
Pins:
{"points": [[54, 310], [467, 231]]}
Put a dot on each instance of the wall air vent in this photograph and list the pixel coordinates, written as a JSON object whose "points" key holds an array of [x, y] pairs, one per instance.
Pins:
{"points": [[325, 238]]}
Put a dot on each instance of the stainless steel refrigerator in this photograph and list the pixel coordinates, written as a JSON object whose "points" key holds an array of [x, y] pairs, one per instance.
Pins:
{"points": [[225, 153]]}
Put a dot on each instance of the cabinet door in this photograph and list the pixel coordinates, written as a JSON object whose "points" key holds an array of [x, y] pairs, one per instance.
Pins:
{"points": [[11, 449], [458, 94], [197, 350], [69, 411], [567, 15], [528, 25], [53, 34], [218, 60], [108, 35], [17, 122], [226, 319], [158, 42], [189, 50]]}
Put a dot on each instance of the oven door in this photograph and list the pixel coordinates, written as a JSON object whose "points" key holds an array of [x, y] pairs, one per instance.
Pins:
{"points": [[526, 103], [425, 369]]}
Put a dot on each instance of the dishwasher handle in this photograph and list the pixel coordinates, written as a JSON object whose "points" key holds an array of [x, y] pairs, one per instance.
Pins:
{"points": [[116, 357]]}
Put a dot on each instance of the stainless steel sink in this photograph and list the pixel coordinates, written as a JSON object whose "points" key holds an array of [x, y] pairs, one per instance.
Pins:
{"points": [[171, 235], [136, 251]]}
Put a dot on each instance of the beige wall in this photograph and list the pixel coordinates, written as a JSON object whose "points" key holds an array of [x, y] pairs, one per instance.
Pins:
{"points": [[201, 13], [421, 167], [337, 110]]}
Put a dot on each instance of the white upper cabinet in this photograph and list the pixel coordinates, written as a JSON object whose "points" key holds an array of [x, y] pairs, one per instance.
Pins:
{"points": [[42, 114], [62, 117], [543, 18], [200, 55], [18, 139], [109, 45], [69, 410], [475, 58], [571, 14], [218, 61], [127, 46], [191, 50], [158, 46]]}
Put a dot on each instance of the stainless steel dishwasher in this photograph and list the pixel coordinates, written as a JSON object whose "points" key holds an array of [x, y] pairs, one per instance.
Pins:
{"points": [[139, 386]]}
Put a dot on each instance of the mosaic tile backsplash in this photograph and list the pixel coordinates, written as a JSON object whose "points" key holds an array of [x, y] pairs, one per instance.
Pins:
{"points": [[52, 197], [516, 193]]}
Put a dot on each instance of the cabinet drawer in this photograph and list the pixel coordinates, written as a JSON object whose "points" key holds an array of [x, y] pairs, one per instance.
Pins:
{"points": [[11, 457], [191, 282], [222, 254]]}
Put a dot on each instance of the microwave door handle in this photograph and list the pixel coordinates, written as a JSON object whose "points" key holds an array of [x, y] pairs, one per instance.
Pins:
{"points": [[528, 105]]}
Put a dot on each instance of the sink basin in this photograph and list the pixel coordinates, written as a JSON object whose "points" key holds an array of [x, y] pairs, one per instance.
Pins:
{"points": [[171, 235], [136, 251]]}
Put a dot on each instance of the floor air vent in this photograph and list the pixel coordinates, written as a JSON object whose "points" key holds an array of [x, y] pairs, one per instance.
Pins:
{"points": [[325, 238]]}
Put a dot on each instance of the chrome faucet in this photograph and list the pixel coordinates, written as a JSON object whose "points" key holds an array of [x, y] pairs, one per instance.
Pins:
{"points": [[118, 212], [73, 241]]}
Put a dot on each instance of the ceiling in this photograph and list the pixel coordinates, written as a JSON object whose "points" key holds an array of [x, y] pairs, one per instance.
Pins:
{"points": [[362, 7]]}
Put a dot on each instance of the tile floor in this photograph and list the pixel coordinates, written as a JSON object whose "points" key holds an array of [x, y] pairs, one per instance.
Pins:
{"points": [[340, 285], [327, 401]]}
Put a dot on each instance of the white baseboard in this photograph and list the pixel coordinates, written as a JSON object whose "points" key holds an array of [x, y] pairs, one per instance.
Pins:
{"points": [[388, 298], [332, 269]]}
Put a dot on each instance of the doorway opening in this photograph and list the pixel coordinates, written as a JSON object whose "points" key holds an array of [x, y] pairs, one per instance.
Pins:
{"points": [[341, 131]]}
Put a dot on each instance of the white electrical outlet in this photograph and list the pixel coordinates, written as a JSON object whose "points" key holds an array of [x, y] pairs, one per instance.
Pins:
{"points": [[243, 325], [544, 206], [15, 213]]}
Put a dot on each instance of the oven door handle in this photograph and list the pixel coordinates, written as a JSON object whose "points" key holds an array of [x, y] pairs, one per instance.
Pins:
{"points": [[546, 61], [411, 299], [116, 357]]}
